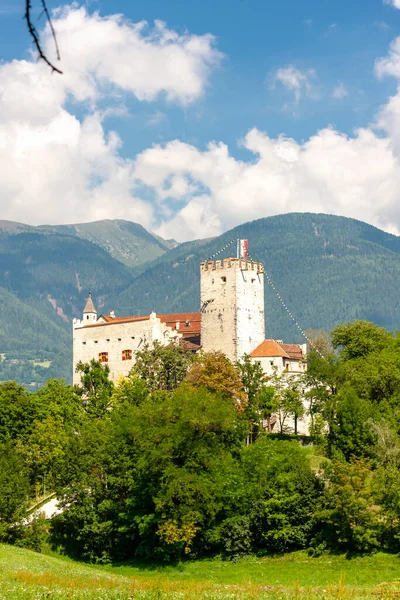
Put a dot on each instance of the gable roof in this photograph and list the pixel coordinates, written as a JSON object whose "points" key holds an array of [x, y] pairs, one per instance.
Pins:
{"points": [[189, 323], [273, 348], [293, 351]]}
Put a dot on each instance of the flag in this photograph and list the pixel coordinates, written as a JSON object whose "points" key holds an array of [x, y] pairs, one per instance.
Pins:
{"points": [[243, 248]]}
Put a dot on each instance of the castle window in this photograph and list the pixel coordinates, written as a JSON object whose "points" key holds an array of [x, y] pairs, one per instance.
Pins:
{"points": [[84, 343], [271, 362], [87, 316], [107, 340], [187, 323], [126, 354], [223, 279], [96, 342], [119, 339], [103, 357]]}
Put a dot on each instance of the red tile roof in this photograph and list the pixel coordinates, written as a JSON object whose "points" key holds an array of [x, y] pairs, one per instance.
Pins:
{"points": [[111, 321], [293, 351], [189, 323], [268, 348], [274, 348]]}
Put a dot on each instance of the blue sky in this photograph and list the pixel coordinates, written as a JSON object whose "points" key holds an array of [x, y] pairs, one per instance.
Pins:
{"points": [[331, 49], [340, 40]]}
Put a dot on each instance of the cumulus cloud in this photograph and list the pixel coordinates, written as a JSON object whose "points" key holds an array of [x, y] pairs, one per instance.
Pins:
{"points": [[295, 80], [394, 3], [99, 52], [330, 173], [340, 91], [58, 168]]}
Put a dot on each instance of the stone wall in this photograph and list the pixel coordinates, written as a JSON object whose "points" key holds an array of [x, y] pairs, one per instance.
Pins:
{"points": [[232, 306]]}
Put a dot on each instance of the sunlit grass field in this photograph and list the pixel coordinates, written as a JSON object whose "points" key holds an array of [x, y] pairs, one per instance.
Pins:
{"points": [[25, 575]]}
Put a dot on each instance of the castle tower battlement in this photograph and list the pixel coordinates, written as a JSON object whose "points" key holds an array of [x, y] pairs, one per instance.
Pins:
{"points": [[232, 306], [244, 264]]}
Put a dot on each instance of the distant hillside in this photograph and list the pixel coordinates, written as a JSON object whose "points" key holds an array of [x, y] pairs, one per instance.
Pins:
{"points": [[328, 269], [128, 242], [29, 339]]}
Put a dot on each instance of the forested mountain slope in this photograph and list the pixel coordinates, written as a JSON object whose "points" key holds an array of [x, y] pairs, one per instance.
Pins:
{"points": [[328, 269], [127, 242]]}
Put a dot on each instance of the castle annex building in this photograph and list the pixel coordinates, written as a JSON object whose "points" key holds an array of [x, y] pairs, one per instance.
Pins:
{"points": [[231, 320]]}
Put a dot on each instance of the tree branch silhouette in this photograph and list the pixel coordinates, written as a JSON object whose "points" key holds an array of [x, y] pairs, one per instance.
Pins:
{"points": [[35, 36]]}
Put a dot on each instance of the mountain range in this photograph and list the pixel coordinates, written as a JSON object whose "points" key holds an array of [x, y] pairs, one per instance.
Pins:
{"points": [[327, 269]]}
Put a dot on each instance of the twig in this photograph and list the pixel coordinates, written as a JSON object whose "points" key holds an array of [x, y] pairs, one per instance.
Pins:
{"points": [[50, 22], [34, 34]]}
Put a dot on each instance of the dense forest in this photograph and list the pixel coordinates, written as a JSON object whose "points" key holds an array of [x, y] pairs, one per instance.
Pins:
{"points": [[173, 461]]}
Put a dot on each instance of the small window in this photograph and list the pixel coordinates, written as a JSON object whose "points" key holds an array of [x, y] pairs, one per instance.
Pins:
{"points": [[271, 362], [96, 342], [126, 354], [87, 316], [84, 343], [187, 323], [119, 339], [103, 357], [108, 339], [223, 279]]}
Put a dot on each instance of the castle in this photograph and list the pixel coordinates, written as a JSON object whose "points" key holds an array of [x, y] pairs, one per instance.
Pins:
{"points": [[231, 320]]}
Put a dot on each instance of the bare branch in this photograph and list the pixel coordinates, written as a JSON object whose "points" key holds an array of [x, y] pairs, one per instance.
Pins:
{"points": [[35, 36]]}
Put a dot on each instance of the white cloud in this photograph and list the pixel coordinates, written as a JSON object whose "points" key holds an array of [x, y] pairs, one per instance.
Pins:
{"points": [[394, 3], [58, 168], [295, 80], [340, 91], [329, 173], [99, 52]]}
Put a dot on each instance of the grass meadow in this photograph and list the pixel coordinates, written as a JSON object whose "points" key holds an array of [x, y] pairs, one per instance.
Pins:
{"points": [[25, 575]]}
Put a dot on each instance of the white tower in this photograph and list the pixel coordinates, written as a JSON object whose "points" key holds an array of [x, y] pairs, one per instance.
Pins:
{"points": [[89, 312], [232, 306]]}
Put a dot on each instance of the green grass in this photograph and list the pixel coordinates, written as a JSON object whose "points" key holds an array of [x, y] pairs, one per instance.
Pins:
{"points": [[25, 575]]}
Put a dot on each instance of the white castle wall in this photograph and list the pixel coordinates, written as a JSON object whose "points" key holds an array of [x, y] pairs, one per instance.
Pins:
{"points": [[89, 342], [232, 306]]}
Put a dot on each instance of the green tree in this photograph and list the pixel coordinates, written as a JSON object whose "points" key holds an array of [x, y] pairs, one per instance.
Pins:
{"points": [[351, 431], [96, 389], [288, 398], [162, 367], [359, 338], [14, 486], [348, 518]]}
